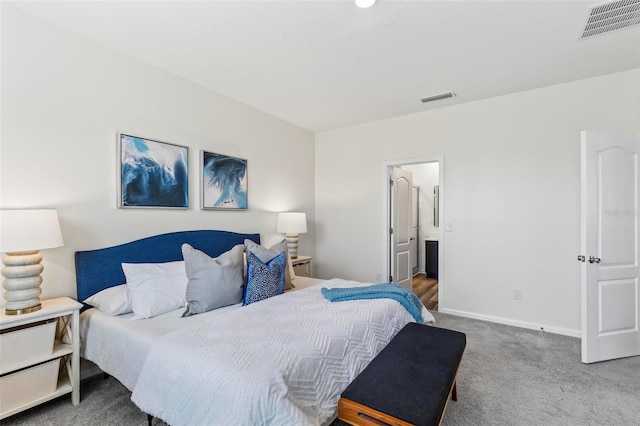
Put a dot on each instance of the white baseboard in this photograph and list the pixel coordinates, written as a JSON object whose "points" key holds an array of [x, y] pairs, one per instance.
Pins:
{"points": [[515, 323]]}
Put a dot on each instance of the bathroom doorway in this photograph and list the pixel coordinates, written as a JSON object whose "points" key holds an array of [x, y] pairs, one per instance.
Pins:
{"points": [[426, 236]]}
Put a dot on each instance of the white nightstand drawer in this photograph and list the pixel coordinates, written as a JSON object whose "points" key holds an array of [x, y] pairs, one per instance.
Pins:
{"points": [[302, 266], [303, 269], [24, 386], [26, 343]]}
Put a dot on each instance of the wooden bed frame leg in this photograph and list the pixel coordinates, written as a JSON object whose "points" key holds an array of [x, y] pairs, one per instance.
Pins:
{"points": [[149, 419], [454, 391]]}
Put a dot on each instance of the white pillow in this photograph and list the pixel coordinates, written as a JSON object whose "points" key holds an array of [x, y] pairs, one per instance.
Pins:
{"points": [[112, 301], [155, 288]]}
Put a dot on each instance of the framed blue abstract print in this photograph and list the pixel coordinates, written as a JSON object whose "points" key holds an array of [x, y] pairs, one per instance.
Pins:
{"points": [[224, 182], [152, 173]]}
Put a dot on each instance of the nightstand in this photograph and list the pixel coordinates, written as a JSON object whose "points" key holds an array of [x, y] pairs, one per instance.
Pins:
{"points": [[302, 266], [40, 355]]}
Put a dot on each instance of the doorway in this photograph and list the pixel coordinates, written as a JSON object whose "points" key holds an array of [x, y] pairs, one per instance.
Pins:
{"points": [[426, 234]]}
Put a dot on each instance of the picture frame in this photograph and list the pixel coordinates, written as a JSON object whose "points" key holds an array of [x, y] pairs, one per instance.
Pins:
{"points": [[223, 182], [151, 173]]}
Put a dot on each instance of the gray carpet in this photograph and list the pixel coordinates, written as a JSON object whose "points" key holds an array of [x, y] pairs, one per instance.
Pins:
{"points": [[508, 376], [513, 376]]}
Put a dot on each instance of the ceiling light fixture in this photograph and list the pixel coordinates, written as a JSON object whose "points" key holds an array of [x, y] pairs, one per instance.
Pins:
{"points": [[365, 3], [438, 97]]}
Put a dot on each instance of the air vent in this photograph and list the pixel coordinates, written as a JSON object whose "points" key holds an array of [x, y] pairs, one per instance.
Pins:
{"points": [[611, 16], [439, 97]]}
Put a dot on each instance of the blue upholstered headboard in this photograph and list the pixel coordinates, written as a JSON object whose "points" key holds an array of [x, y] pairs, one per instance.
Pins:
{"points": [[99, 269]]}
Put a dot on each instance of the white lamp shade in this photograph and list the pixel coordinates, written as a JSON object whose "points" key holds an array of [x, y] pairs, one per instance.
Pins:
{"points": [[292, 223], [24, 230]]}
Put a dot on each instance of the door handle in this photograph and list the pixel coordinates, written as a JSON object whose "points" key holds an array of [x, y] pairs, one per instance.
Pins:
{"points": [[581, 258], [593, 259]]}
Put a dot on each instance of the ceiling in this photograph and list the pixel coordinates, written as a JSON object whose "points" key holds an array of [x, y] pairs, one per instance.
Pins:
{"points": [[328, 64]]}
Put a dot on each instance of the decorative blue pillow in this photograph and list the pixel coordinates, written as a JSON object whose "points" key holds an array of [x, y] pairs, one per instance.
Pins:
{"points": [[264, 280]]}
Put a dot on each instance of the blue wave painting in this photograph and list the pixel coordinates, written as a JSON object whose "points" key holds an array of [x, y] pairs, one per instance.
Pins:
{"points": [[153, 174], [224, 182]]}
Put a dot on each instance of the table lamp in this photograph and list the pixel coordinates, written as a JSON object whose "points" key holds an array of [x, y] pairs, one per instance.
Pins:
{"points": [[22, 234], [292, 224]]}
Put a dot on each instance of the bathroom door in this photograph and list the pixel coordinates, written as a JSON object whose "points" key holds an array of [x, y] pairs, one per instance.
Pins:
{"points": [[401, 253], [415, 230]]}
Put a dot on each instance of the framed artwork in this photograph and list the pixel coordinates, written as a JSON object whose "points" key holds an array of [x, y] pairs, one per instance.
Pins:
{"points": [[152, 173], [224, 182]]}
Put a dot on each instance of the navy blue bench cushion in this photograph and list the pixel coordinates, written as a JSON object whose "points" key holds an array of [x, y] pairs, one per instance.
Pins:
{"points": [[99, 269], [411, 377]]}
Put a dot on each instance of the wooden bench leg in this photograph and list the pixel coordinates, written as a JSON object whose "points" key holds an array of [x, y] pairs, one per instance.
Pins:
{"points": [[454, 391]]}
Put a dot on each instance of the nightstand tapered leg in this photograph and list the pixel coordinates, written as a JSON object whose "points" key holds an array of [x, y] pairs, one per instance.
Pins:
{"points": [[75, 358]]}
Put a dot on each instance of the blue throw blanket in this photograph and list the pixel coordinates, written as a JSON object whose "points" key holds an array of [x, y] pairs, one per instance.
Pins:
{"points": [[408, 300]]}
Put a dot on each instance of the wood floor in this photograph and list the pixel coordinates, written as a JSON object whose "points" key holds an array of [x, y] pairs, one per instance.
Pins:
{"points": [[427, 291]]}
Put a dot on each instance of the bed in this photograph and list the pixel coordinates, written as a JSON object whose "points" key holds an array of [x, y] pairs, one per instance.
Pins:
{"points": [[283, 360]]}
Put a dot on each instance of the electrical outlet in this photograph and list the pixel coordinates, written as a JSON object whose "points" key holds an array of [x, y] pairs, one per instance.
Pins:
{"points": [[517, 294], [448, 227], [378, 276]]}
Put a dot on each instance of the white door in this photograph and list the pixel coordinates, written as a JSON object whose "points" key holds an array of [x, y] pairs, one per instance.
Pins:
{"points": [[610, 236], [401, 252], [415, 230]]}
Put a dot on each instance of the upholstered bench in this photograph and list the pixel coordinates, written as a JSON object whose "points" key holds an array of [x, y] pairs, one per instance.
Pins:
{"points": [[409, 382]]}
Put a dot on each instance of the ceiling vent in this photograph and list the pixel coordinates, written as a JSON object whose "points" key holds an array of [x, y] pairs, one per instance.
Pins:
{"points": [[440, 96], [611, 16]]}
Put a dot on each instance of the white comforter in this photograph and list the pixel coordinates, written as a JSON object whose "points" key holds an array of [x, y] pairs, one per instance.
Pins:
{"points": [[282, 361]]}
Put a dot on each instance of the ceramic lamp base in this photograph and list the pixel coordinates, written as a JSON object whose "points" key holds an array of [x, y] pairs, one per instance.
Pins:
{"points": [[22, 281], [292, 245]]}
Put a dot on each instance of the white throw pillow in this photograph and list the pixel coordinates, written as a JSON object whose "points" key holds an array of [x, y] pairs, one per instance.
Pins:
{"points": [[112, 301], [155, 288]]}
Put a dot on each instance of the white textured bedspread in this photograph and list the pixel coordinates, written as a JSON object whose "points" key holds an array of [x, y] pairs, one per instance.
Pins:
{"points": [[281, 361]]}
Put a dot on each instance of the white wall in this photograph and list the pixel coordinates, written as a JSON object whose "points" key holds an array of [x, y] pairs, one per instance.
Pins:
{"points": [[63, 100], [512, 192]]}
